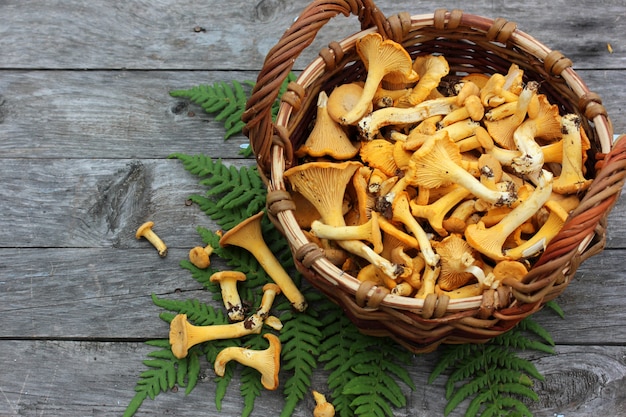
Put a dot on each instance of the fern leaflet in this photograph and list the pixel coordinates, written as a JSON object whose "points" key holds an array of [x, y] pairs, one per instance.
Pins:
{"points": [[491, 374], [226, 101]]}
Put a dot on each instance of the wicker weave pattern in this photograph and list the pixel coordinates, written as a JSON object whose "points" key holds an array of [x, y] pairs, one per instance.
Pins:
{"points": [[470, 44]]}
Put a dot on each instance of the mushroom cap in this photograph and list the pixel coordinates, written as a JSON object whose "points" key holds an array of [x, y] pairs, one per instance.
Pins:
{"points": [[509, 269], [343, 98], [271, 363], [270, 286], [327, 136], [456, 255], [222, 276], [324, 184], [379, 153], [380, 57], [548, 120], [178, 335], [386, 55], [147, 226], [426, 168], [199, 257], [431, 69], [253, 231], [322, 408]]}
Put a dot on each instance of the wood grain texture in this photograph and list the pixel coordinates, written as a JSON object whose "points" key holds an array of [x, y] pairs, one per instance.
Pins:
{"points": [[174, 34], [97, 379], [86, 125]]}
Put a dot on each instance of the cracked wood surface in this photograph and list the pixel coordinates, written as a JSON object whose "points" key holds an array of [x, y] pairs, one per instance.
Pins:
{"points": [[86, 125]]}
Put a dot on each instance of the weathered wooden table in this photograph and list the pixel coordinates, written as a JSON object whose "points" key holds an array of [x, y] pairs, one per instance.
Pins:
{"points": [[86, 124]]}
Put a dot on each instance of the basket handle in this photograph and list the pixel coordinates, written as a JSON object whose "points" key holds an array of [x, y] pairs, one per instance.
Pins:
{"points": [[279, 62]]}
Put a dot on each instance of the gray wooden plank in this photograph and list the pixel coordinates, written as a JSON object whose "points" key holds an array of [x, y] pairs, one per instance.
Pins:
{"points": [[96, 202], [97, 379], [122, 114], [100, 293], [117, 114], [193, 34]]}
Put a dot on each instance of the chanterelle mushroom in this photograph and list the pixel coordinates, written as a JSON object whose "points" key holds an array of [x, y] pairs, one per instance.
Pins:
{"points": [[431, 69], [572, 179], [437, 163], [489, 241], [380, 57], [184, 335], [370, 124], [267, 361], [230, 296], [324, 185], [327, 136], [248, 235], [456, 258]]}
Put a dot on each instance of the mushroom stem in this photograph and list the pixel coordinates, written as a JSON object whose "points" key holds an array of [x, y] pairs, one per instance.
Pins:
{"points": [[248, 235], [489, 241], [371, 124], [369, 231], [184, 335], [402, 213], [145, 230], [572, 179], [270, 291], [230, 296]]}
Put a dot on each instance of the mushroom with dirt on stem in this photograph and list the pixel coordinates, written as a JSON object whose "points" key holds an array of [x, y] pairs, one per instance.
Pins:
{"points": [[230, 296], [270, 291], [145, 230], [370, 125], [380, 57], [183, 335], [571, 180], [267, 361], [546, 125], [248, 235], [489, 241]]}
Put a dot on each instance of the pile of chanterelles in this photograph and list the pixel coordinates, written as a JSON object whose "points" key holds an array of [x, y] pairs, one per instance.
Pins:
{"points": [[428, 192]]}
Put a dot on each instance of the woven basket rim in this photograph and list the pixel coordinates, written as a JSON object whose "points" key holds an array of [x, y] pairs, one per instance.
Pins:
{"points": [[346, 282]]}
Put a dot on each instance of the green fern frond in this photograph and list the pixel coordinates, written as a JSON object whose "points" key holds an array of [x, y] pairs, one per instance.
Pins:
{"points": [[365, 370], [226, 101], [492, 375], [198, 313], [165, 371], [233, 194], [300, 338]]}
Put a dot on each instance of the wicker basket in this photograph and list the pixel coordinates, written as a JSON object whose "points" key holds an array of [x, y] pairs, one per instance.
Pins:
{"points": [[470, 43]]}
